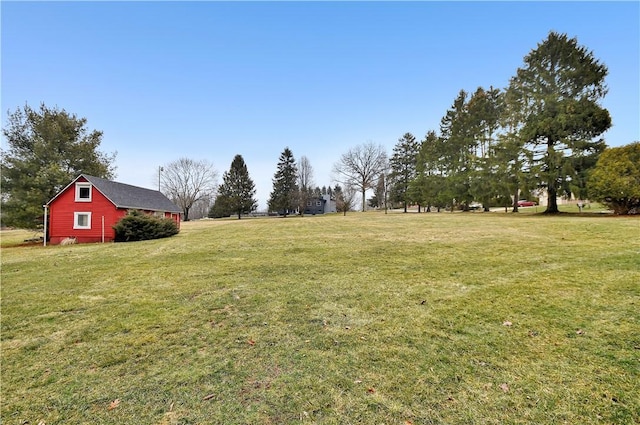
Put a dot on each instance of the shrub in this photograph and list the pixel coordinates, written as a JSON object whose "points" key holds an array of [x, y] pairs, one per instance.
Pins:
{"points": [[138, 226], [615, 180]]}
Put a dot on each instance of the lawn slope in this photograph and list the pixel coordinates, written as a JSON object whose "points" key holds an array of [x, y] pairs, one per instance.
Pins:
{"points": [[369, 318]]}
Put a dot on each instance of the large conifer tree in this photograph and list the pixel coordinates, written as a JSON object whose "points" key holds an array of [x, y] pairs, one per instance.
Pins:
{"points": [[558, 91], [46, 149], [284, 197], [403, 167], [457, 151], [237, 190]]}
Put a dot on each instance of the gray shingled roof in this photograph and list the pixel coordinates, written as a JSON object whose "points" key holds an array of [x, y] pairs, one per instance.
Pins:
{"points": [[134, 197]]}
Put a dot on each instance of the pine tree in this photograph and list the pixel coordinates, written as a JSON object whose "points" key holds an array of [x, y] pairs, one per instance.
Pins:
{"points": [[559, 89], [237, 190], [284, 197], [485, 109], [403, 167], [45, 149], [458, 151]]}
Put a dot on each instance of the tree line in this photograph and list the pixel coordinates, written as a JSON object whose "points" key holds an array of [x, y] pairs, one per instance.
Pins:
{"points": [[542, 132], [293, 189]]}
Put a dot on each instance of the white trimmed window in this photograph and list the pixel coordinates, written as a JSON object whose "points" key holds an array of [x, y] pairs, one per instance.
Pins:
{"points": [[83, 192], [82, 220]]}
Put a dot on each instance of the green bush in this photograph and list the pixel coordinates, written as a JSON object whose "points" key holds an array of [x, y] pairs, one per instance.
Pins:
{"points": [[138, 226], [615, 180]]}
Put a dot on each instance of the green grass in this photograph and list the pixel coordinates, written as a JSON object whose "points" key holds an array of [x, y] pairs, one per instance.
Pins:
{"points": [[368, 318], [17, 237]]}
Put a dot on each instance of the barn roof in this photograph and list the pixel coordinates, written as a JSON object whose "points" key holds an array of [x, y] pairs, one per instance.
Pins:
{"points": [[128, 196]]}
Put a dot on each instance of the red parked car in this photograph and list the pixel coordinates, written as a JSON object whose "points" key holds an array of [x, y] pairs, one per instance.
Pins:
{"points": [[525, 203]]}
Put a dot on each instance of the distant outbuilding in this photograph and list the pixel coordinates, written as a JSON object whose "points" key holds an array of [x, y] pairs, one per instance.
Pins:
{"points": [[89, 206]]}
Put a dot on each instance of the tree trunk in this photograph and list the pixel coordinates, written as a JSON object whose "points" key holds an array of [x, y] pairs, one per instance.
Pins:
{"points": [[552, 188], [552, 205], [364, 200], [186, 214]]}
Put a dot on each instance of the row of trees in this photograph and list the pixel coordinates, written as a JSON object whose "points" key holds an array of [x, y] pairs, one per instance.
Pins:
{"points": [[293, 187], [191, 184], [541, 132]]}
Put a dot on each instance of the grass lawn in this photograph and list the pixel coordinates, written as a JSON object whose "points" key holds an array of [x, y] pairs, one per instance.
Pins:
{"points": [[463, 318]]}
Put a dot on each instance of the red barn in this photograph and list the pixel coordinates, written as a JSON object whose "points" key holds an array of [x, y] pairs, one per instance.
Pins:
{"points": [[89, 206]]}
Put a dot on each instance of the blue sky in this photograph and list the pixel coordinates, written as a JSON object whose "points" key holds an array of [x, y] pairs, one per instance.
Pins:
{"points": [[209, 80]]}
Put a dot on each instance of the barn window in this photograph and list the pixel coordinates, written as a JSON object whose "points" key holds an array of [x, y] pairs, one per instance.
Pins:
{"points": [[83, 192], [82, 220]]}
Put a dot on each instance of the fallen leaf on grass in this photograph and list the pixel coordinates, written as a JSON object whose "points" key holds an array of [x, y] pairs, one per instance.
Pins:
{"points": [[408, 423], [507, 323], [504, 387], [208, 397], [371, 390], [251, 342], [115, 403], [579, 332]]}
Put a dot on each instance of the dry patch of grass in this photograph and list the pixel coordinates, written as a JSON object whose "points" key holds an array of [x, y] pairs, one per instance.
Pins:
{"points": [[19, 237], [368, 318]]}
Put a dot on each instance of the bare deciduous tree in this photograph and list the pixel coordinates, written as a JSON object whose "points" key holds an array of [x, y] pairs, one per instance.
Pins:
{"points": [[201, 208], [345, 198], [360, 167], [305, 182], [187, 181]]}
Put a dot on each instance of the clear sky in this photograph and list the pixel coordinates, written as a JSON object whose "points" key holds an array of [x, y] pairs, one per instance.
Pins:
{"points": [[209, 80]]}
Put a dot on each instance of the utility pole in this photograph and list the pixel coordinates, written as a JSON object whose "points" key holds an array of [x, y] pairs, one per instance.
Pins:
{"points": [[160, 170]]}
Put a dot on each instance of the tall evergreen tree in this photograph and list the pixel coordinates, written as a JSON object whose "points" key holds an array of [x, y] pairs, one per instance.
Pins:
{"points": [[237, 190], [429, 186], [284, 197], [403, 167], [458, 150], [559, 89], [46, 149], [484, 109]]}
